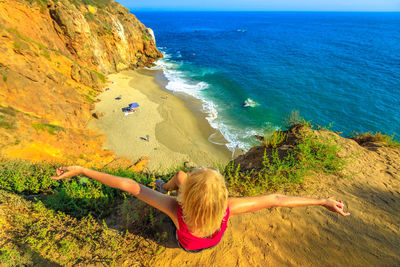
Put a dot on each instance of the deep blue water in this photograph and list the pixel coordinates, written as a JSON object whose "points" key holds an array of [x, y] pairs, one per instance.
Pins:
{"points": [[332, 67]]}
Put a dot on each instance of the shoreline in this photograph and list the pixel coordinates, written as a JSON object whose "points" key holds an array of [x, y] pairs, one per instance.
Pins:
{"points": [[178, 131]]}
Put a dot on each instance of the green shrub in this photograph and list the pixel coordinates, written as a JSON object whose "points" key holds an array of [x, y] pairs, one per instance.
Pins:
{"points": [[17, 46], [83, 196], [76, 196], [144, 37], [273, 138], [61, 224], [286, 170], [42, 237], [108, 28], [89, 99], [90, 17], [51, 129], [21, 176], [10, 256]]}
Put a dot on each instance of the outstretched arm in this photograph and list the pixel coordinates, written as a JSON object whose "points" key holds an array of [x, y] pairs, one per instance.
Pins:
{"points": [[249, 204], [164, 203]]}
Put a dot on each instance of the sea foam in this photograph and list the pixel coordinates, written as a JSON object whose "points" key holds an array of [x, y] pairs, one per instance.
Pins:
{"points": [[179, 81]]}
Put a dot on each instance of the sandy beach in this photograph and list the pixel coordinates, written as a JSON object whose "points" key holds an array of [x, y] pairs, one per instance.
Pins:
{"points": [[176, 133]]}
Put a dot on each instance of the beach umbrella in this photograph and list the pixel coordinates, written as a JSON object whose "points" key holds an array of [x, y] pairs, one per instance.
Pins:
{"points": [[133, 105]]}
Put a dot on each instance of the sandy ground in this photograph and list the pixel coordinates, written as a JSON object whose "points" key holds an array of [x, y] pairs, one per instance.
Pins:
{"points": [[176, 134], [313, 236]]}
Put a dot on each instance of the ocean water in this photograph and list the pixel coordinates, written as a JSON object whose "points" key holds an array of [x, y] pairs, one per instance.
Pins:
{"points": [[339, 69]]}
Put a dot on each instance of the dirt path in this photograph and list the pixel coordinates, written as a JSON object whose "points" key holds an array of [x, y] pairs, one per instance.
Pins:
{"points": [[312, 236]]}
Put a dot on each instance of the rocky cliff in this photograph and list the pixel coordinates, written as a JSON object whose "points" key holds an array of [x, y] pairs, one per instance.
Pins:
{"points": [[53, 58]]}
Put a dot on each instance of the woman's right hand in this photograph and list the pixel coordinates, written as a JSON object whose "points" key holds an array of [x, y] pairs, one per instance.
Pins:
{"points": [[65, 172]]}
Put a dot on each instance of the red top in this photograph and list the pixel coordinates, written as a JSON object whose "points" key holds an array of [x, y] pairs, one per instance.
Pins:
{"points": [[191, 242]]}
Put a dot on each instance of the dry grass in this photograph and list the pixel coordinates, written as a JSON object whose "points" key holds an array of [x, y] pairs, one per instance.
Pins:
{"points": [[370, 137]]}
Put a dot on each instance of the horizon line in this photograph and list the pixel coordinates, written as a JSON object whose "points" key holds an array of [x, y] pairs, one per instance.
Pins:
{"points": [[250, 10]]}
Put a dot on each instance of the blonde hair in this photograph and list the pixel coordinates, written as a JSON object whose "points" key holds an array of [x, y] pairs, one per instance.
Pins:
{"points": [[204, 199]]}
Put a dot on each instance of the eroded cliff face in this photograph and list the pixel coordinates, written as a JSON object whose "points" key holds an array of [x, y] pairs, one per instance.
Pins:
{"points": [[53, 58]]}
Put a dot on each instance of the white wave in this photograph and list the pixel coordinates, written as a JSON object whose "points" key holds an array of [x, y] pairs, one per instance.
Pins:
{"points": [[179, 82], [250, 103]]}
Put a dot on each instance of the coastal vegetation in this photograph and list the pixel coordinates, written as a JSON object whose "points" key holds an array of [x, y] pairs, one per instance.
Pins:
{"points": [[81, 221], [367, 137], [64, 222], [287, 158], [51, 129]]}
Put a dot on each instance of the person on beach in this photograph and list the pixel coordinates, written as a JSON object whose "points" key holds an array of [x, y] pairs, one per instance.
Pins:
{"points": [[201, 211]]}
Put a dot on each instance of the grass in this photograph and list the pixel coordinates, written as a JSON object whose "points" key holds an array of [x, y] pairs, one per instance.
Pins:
{"points": [[286, 169], [144, 37], [96, 3], [4, 78], [100, 75], [19, 176], [61, 222], [51, 129], [6, 123], [108, 28], [363, 138], [273, 138], [7, 118], [78, 197], [17, 46], [90, 17], [89, 99], [39, 236]]}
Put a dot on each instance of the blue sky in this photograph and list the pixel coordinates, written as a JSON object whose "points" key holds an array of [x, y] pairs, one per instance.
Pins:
{"points": [[265, 5]]}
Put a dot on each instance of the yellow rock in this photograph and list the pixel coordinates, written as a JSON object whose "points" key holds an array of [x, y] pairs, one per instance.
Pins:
{"points": [[92, 9], [121, 66], [140, 164]]}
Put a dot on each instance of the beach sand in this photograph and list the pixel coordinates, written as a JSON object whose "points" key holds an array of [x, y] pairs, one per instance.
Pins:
{"points": [[176, 133]]}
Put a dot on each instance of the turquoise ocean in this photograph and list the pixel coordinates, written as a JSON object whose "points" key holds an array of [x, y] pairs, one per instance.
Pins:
{"points": [[335, 68]]}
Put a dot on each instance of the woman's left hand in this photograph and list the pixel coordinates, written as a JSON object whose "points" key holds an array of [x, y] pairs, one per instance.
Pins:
{"points": [[335, 206]]}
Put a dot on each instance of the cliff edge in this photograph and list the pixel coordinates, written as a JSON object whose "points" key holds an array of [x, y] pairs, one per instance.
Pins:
{"points": [[53, 58]]}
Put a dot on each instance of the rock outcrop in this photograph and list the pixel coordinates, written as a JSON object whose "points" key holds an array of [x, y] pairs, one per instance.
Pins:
{"points": [[54, 56]]}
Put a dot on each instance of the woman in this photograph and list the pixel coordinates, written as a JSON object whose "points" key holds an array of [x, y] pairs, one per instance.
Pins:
{"points": [[201, 211]]}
